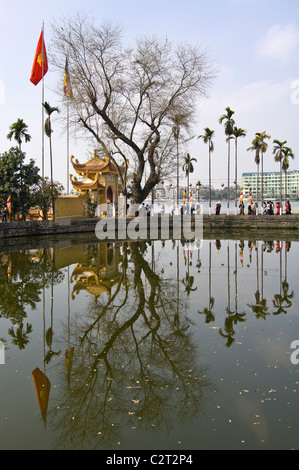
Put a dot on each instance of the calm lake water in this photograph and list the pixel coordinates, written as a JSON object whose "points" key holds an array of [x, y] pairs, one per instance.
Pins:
{"points": [[149, 345]]}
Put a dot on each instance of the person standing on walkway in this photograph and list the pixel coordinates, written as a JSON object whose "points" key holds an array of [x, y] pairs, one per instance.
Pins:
{"points": [[4, 215], [242, 208]]}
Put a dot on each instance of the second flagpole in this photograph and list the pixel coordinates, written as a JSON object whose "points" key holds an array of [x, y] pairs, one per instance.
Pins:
{"points": [[43, 98]]}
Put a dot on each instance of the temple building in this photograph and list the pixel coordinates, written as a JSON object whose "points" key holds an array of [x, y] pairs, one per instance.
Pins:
{"points": [[97, 181], [98, 177]]}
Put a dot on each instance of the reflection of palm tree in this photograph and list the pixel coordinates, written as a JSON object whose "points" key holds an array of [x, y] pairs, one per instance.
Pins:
{"points": [[188, 283], [286, 296], [20, 337], [228, 331], [260, 307], [283, 301], [207, 311]]}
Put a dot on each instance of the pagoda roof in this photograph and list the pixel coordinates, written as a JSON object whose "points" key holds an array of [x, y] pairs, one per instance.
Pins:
{"points": [[95, 164], [86, 184]]}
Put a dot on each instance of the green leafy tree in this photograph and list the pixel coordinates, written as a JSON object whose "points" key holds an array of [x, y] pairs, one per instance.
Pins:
{"points": [[18, 131], [126, 98], [44, 193], [17, 179]]}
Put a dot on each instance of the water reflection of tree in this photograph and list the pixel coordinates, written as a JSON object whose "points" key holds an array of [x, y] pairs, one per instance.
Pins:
{"points": [[259, 308], [133, 369], [31, 271], [282, 301], [208, 311], [233, 316]]}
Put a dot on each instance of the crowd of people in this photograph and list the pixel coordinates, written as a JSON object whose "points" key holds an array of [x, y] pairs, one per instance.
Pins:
{"points": [[269, 208]]}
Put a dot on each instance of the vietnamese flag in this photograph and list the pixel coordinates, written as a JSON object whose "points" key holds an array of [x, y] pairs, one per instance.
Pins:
{"points": [[40, 63]]}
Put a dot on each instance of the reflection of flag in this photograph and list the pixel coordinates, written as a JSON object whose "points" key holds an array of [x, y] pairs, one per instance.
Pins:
{"points": [[241, 257], [42, 387], [40, 62], [67, 82], [8, 203]]}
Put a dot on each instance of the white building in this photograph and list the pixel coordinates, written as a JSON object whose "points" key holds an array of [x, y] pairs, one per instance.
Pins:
{"points": [[290, 184]]}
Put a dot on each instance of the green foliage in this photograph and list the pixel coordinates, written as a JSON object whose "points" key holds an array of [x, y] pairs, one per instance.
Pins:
{"points": [[17, 178], [44, 193], [18, 131], [91, 206]]}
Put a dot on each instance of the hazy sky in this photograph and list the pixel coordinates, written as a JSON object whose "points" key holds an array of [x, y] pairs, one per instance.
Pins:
{"points": [[253, 43]]}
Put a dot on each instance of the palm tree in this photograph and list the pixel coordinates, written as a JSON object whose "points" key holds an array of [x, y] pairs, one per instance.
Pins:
{"points": [[256, 147], [188, 168], [48, 130], [18, 131], [237, 133], [278, 152], [207, 138], [287, 152], [228, 128], [179, 121], [261, 136]]}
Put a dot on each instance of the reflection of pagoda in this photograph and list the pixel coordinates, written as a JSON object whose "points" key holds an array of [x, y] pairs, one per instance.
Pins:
{"points": [[99, 177], [99, 276]]}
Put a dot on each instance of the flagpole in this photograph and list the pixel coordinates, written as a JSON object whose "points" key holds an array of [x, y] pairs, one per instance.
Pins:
{"points": [[43, 97], [68, 147]]}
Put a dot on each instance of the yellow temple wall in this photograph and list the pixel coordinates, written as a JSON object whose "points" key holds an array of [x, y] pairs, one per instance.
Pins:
{"points": [[69, 207]]}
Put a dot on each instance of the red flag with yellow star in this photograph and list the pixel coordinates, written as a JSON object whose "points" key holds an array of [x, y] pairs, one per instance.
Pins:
{"points": [[40, 63]]}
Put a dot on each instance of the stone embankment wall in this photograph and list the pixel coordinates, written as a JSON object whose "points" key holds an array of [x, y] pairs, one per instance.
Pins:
{"points": [[222, 226]]}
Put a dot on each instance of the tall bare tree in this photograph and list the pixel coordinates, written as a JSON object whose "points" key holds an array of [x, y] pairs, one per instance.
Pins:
{"points": [[126, 97]]}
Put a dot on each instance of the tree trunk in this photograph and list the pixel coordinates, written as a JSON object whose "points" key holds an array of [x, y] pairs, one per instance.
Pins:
{"points": [[228, 179], [236, 176], [210, 179], [177, 176], [262, 182], [280, 195], [257, 189]]}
